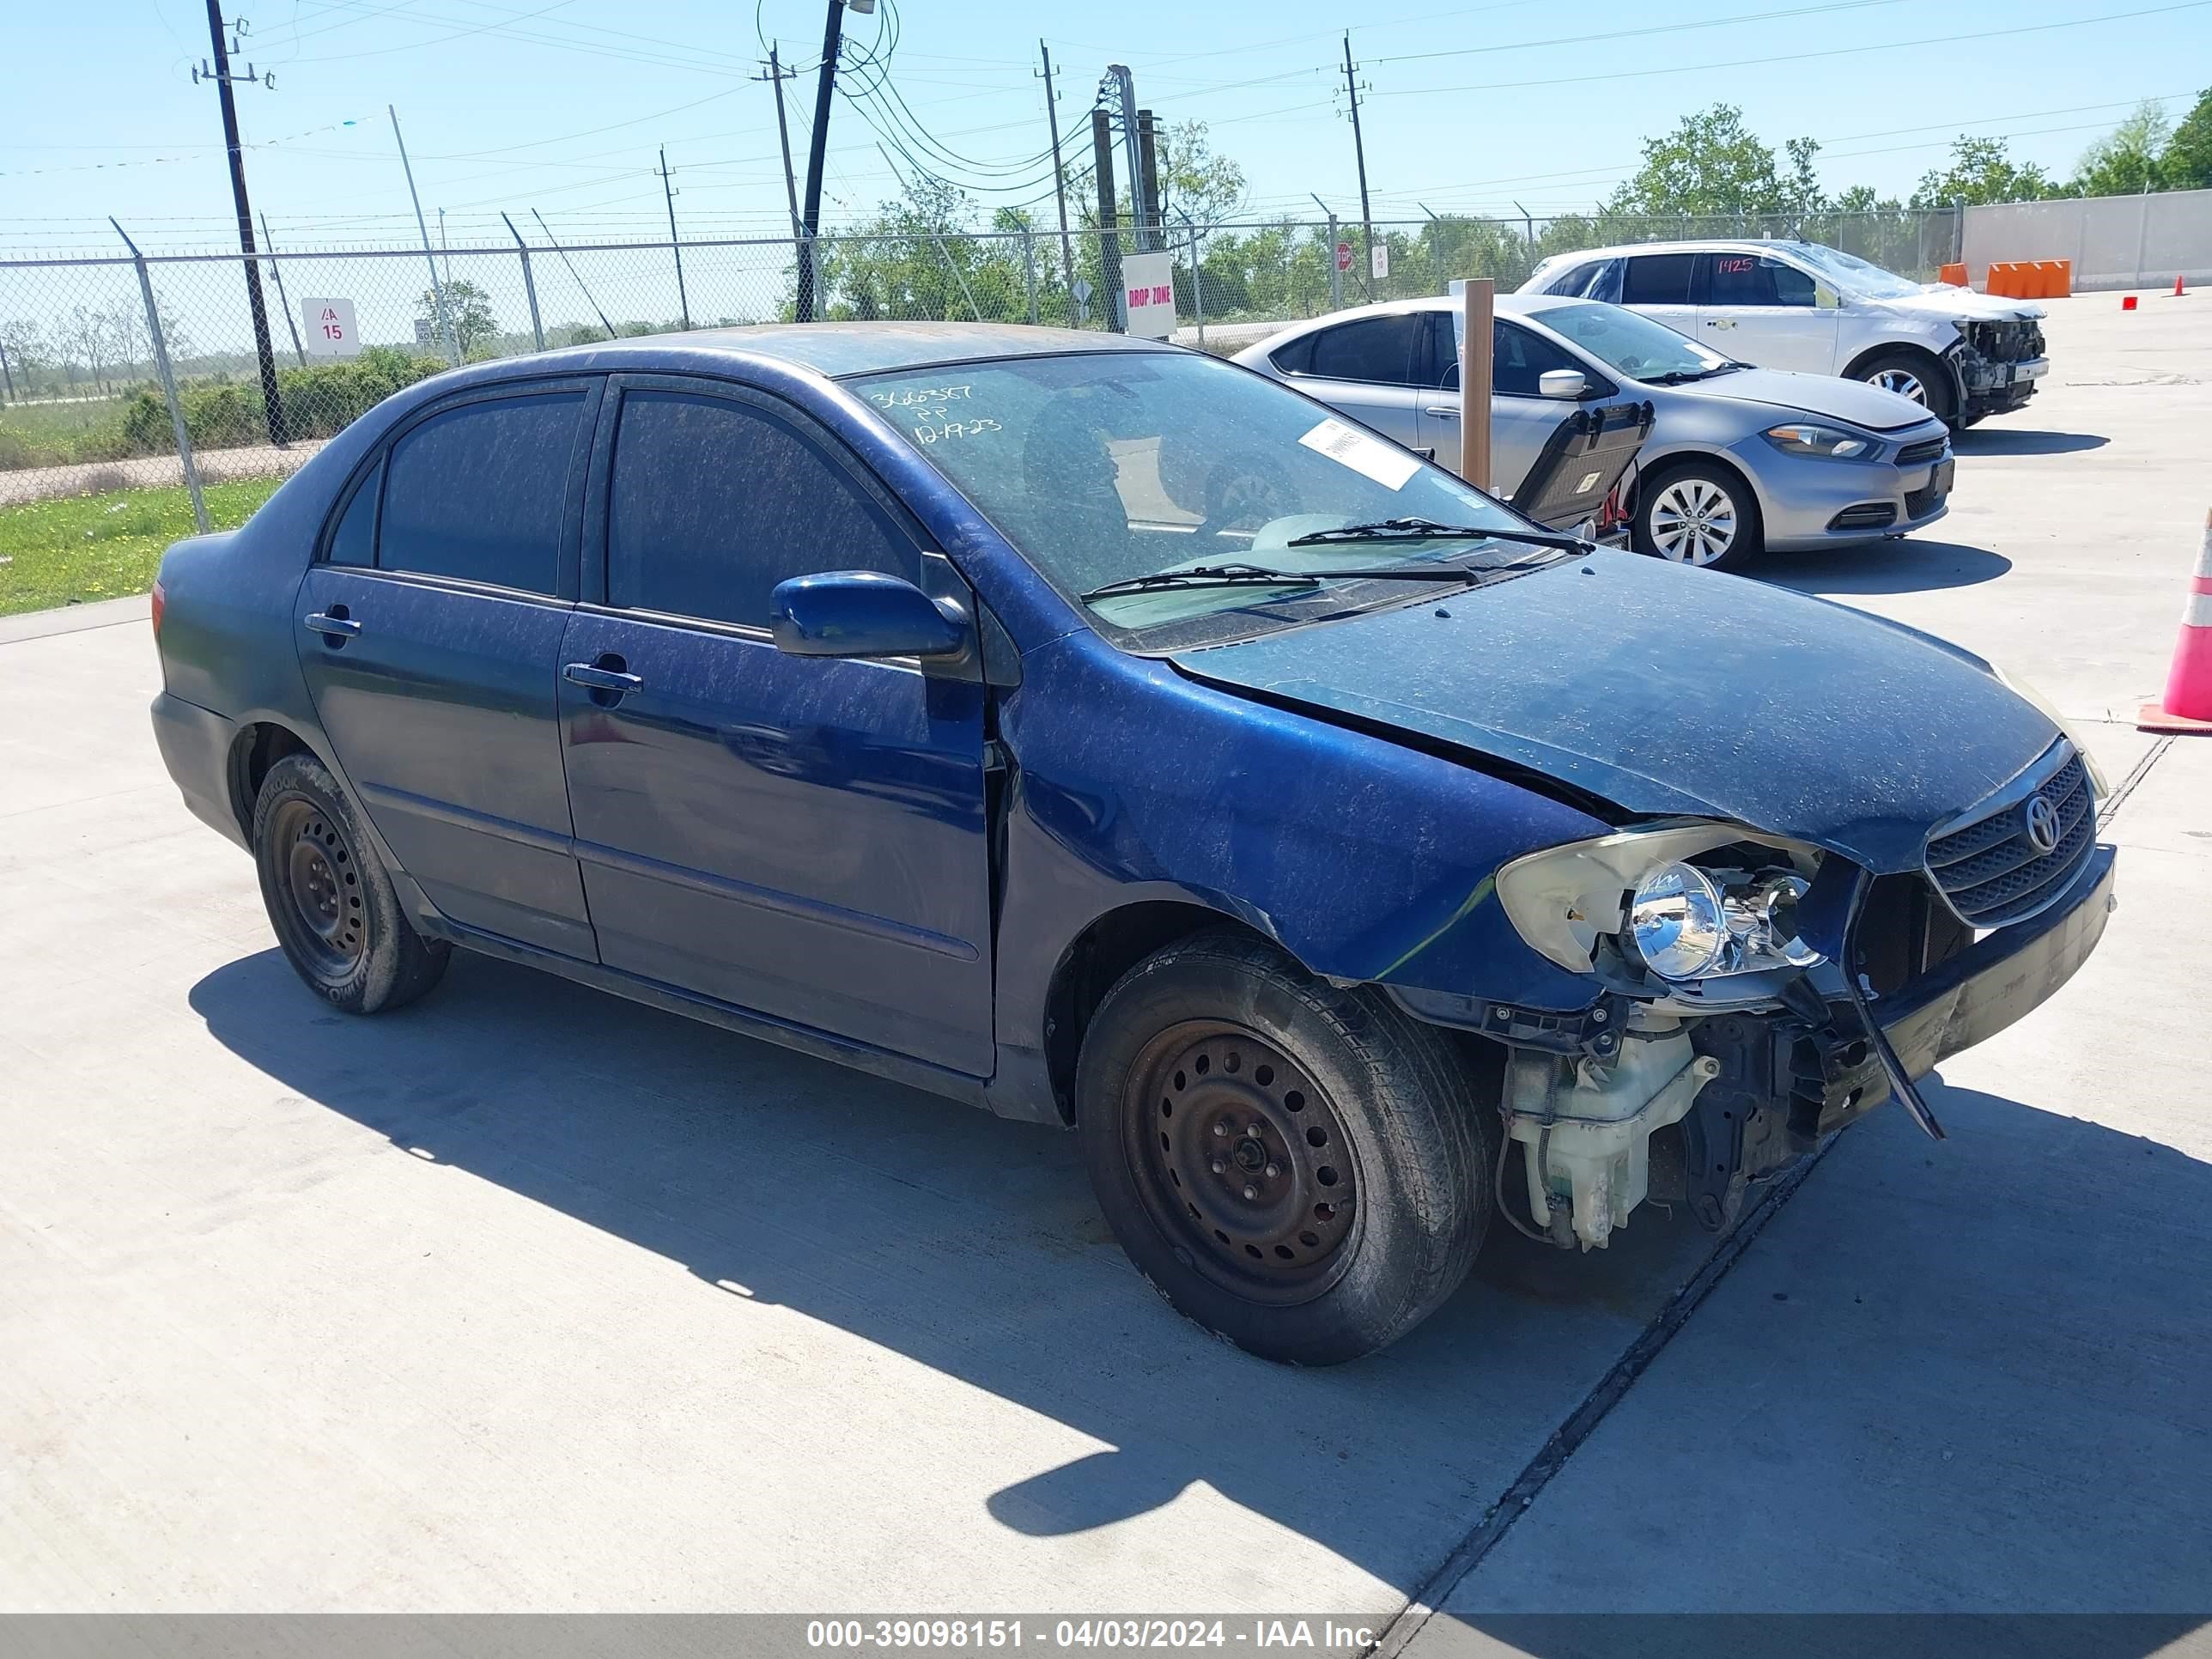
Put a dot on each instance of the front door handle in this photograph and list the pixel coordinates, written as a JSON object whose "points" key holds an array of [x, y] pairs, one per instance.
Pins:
{"points": [[599, 678], [1442, 411], [333, 627], [1720, 322]]}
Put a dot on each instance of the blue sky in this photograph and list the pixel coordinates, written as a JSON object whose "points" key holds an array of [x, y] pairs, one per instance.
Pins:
{"points": [[559, 105]]}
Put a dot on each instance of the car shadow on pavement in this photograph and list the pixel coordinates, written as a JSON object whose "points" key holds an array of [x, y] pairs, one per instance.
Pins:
{"points": [[2005, 441], [1906, 565], [972, 1245], [964, 1242]]}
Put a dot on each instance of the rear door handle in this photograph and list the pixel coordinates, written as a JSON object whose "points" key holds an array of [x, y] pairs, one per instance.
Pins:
{"points": [[333, 627], [600, 679], [1442, 411], [1720, 322]]}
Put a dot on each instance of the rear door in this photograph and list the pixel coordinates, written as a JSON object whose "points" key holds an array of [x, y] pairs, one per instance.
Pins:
{"points": [[1366, 367], [800, 837], [1659, 286], [429, 633], [1763, 310]]}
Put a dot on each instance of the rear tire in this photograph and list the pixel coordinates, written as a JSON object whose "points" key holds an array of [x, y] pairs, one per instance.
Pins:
{"points": [[1300, 1169], [329, 899]]}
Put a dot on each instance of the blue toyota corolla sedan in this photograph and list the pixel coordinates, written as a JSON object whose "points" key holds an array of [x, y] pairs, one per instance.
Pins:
{"points": [[1111, 737]]}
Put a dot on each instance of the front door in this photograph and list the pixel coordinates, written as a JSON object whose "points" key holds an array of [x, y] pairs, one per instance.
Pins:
{"points": [[1762, 310], [801, 837], [1521, 421], [429, 634]]}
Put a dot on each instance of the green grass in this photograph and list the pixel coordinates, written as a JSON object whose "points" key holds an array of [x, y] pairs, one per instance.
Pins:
{"points": [[46, 422], [102, 547]]}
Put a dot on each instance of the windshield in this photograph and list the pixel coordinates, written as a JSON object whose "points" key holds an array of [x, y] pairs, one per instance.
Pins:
{"points": [[1102, 466], [1854, 274], [1628, 344]]}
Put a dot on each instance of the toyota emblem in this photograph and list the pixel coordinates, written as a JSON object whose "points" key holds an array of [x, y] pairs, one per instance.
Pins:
{"points": [[2042, 825]]}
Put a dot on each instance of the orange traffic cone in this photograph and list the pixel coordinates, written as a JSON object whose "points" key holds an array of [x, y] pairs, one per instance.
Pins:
{"points": [[2180, 288], [2187, 707], [2127, 302]]}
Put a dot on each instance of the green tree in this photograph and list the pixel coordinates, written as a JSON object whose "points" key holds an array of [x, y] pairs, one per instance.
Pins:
{"points": [[1982, 170], [1711, 165], [1196, 184], [2187, 162], [2128, 159], [468, 308]]}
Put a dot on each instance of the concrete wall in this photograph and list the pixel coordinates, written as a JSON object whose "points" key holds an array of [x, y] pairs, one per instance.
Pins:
{"points": [[2114, 241]]}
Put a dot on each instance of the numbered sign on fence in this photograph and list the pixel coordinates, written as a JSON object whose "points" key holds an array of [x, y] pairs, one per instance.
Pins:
{"points": [[326, 329]]}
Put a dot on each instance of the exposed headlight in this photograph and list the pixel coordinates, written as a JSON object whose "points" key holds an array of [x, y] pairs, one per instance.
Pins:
{"points": [[1636, 896], [1831, 443]]}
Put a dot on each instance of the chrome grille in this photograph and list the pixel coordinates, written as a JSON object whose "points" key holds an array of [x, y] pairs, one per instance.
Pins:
{"points": [[1988, 870]]}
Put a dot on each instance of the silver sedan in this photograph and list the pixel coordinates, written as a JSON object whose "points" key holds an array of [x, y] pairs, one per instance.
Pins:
{"points": [[1738, 459]]}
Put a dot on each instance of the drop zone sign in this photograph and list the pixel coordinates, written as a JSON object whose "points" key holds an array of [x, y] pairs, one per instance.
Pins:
{"points": [[1148, 291], [326, 329]]}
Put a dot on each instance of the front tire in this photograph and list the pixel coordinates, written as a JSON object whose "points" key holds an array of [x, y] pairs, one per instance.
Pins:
{"points": [[1695, 512], [1297, 1168], [1918, 379], [329, 899]]}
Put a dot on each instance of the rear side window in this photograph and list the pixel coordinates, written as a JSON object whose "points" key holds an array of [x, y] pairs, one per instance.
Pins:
{"points": [[1296, 358], [1377, 349], [713, 502], [1658, 279], [354, 540], [477, 492]]}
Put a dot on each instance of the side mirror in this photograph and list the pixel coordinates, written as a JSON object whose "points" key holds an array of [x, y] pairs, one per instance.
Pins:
{"points": [[862, 613], [1565, 384]]}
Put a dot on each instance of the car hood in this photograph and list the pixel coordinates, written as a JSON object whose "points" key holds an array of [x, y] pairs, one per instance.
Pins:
{"points": [[1959, 304], [1672, 692], [1854, 401]]}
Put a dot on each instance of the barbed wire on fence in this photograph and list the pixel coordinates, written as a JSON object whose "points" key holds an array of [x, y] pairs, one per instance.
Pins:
{"points": [[84, 407]]}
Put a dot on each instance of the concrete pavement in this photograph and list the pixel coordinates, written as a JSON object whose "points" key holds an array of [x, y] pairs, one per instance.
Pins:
{"points": [[527, 1298]]}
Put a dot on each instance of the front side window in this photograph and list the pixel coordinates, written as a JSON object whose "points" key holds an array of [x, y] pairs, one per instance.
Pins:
{"points": [[1755, 279], [477, 492], [712, 502], [1658, 279], [1101, 466], [1378, 350], [1520, 360], [1629, 345]]}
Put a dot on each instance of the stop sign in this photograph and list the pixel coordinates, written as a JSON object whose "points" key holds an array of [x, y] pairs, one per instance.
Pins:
{"points": [[1344, 255]]}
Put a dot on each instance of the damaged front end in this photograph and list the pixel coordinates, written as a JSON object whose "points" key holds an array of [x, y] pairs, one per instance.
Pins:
{"points": [[1729, 1038], [1998, 365]]}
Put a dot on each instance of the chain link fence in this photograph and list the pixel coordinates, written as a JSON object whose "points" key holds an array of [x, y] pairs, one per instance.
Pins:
{"points": [[129, 373]]}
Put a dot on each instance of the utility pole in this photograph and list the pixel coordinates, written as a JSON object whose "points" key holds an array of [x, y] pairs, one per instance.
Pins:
{"points": [[1359, 149], [1123, 87], [1059, 181], [276, 271], [775, 78], [1110, 236], [437, 288], [833, 33], [1148, 179], [683, 300], [272, 402]]}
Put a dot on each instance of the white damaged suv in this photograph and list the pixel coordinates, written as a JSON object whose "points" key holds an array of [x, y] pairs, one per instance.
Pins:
{"points": [[1799, 306]]}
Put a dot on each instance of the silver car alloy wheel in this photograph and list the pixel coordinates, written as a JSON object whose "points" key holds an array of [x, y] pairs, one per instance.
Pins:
{"points": [[1902, 381], [1694, 521]]}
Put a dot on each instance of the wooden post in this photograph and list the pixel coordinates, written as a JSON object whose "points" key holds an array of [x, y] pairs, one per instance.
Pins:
{"points": [[1475, 381]]}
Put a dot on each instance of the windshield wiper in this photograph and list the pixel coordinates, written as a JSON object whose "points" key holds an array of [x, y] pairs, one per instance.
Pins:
{"points": [[1261, 575], [1429, 530]]}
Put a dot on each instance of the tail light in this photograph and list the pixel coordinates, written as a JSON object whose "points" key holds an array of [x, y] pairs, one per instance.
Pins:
{"points": [[160, 598]]}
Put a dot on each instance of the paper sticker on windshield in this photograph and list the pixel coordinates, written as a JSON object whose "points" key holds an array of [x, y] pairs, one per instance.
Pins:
{"points": [[1372, 457]]}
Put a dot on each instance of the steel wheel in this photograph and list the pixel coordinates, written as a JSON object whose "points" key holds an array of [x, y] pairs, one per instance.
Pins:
{"points": [[1902, 381], [321, 886], [1242, 1160], [1694, 521]]}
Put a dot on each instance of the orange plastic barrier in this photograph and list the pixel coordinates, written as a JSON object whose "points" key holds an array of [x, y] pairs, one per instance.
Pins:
{"points": [[2030, 279], [1954, 275]]}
